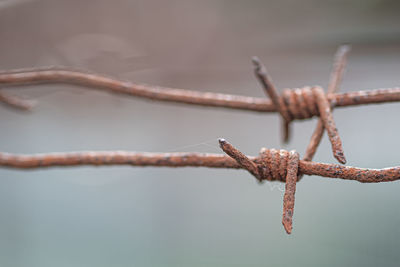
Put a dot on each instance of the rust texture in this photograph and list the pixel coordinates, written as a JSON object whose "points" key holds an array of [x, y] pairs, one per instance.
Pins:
{"points": [[290, 190], [240, 158], [179, 159], [270, 89], [329, 124], [270, 164], [339, 66], [307, 102]]}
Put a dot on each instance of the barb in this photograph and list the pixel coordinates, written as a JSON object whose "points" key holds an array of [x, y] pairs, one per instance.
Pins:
{"points": [[329, 124], [280, 165], [16, 102], [269, 88], [339, 65], [302, 103], [290, 190], [240, 158], [271, 164]]}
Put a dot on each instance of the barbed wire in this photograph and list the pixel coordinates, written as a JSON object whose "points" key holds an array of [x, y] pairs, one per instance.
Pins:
{"points": [[271, 164], [294, 104]]}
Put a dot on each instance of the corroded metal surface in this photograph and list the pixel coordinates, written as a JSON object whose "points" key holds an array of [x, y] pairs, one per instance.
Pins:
{"points": [[242, 160], [271, 164], [329, 124], [63, 75], [193, 159], [290, 190], [339, 65]]}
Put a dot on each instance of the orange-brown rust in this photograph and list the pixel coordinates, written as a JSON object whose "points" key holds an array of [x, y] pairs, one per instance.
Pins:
{"points": [[314, 141], [329, 124], [100, 158], [293, 104], [64, 75], [271, 91], [193, 159], [240, 158], [305, 103], [269, 165], [339, 65], [290, 190]]}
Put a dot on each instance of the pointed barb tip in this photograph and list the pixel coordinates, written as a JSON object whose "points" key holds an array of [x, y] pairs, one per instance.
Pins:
{"points": [[345, 48], [340, 157], [256, 61], [288, 228], [222, 141], [287, 223]]}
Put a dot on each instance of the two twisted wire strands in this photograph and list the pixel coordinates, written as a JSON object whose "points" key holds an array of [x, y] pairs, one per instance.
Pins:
{"points": [[307, 102], [274, 165]]}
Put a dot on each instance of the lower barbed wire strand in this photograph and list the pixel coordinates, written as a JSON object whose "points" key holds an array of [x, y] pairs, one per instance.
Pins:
{"points": [[70, 159], [100, 158]]}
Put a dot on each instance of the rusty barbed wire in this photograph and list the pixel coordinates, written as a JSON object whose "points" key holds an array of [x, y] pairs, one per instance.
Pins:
{"points": [[271, 165], [306, 102], [293, 104]]}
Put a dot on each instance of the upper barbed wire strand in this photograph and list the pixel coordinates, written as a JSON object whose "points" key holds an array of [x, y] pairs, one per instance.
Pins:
{"points": [[65, 75]]}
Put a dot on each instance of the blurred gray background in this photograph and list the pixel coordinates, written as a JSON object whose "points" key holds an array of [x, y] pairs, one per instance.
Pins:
{"points": [[124, 216]]}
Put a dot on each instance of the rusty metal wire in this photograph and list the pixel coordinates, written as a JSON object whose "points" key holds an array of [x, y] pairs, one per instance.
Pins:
{"points": [[183, 159], [271, 164]]}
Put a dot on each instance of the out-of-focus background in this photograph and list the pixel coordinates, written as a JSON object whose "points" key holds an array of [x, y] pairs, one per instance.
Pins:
{"points": [[124, 216]]}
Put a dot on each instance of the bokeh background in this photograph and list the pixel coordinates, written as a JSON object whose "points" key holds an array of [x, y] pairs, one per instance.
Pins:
{"points": [[124, 216]]}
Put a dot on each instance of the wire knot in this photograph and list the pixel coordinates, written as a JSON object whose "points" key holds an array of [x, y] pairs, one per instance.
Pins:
{"points": [[273, 164], [300, 103]]}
